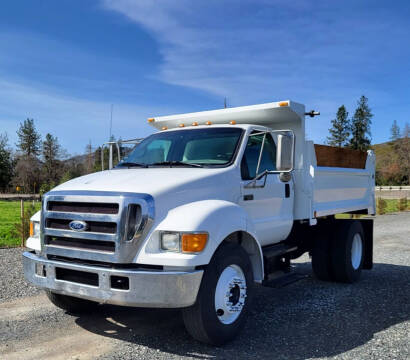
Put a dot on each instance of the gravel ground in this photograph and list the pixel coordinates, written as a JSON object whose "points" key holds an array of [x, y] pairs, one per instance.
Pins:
{"points": [[307, 319], [12, 284]]}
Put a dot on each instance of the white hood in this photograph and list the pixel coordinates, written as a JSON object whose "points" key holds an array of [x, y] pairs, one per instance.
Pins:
{"points": [[201, 183]]}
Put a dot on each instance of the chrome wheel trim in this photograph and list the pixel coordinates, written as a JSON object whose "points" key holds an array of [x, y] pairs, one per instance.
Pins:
{"points": [[357, 250], [230, 294]]}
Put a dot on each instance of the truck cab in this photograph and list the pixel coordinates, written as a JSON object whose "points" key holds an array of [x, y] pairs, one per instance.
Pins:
{"points": [[198, 213]]}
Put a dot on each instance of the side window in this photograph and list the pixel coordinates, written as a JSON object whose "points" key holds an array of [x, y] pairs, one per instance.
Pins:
{"points": [[251, 155]]}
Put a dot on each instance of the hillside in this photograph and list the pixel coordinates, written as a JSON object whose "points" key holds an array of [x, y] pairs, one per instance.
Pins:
{"points": [[391, 162]]}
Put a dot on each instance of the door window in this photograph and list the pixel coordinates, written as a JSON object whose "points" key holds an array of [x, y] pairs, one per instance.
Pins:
{"points": [[250, 158]]}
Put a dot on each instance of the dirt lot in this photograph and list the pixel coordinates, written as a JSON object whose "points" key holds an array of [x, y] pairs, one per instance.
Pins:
{"points": [[305, 320]]}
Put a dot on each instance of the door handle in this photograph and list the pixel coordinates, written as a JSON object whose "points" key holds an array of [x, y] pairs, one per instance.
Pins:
{"points": [[248, 197], [287, 190]]}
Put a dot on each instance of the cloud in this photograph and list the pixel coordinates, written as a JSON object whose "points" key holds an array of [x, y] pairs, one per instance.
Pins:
{"points": [[261, 50]]}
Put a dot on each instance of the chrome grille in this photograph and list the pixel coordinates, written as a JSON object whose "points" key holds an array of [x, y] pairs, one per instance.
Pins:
{"points": [[106, 215]]}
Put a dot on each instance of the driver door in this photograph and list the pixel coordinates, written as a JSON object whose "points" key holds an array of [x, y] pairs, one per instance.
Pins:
{"points": [[268, 201]]}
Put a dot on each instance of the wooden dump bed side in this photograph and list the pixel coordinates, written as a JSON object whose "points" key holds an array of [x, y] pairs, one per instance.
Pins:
{"points": [[331, 156]]}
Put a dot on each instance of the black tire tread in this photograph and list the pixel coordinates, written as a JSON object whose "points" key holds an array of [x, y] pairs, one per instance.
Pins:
{"points": [[71, 304], [193, 316], [341, 252]]}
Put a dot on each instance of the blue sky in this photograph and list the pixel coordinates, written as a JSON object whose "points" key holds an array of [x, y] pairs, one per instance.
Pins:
{"points": [[65, 62]]}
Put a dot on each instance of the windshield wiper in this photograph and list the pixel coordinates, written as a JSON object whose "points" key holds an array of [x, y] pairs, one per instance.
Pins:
{"points": [[132, 164], [176, 163]]}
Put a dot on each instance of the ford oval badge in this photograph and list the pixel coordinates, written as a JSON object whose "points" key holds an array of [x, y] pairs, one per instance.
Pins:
{"points": [[77, 225]]}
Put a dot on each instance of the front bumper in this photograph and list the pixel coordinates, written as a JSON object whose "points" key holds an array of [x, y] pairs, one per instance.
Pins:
{"points": [[147, 288]]}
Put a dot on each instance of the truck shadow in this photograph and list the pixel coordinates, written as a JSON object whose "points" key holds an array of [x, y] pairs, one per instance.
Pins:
{"points": [[307, 319]]}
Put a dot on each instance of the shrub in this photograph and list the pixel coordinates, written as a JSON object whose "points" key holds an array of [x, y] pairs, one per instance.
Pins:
{"points": [[29, 211], [381, 206], [403, 204]]}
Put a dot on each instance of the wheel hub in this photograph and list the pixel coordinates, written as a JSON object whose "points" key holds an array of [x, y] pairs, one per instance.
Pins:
{"points": [[357, 249], [230, 294]]}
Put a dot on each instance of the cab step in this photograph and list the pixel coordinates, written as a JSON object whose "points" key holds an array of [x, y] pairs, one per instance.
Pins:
{"points": [[284, 280]]}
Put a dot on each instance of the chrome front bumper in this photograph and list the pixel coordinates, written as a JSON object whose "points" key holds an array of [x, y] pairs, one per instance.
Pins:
{"points": [[147, 288]]}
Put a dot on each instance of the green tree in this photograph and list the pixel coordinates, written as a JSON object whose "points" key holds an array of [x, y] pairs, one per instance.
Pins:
{"points": [[395, 131], [51, 153], [360, 126], [29, 140], [6, 163], [403, 151], [339, 132]]}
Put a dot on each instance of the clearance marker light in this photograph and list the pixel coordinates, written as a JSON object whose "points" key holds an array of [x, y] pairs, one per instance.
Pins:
{"points": [[181, 125], [150, 120], [284, 103], [194, 123], [164, 128], [233, 122], [208, 123]]}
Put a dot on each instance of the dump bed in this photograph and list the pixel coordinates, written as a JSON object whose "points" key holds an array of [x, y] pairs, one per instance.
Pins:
{"points": [[345, 183]]}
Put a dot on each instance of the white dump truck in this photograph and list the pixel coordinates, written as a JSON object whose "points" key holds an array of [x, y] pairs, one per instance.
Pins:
{"points": [[199, 212]]}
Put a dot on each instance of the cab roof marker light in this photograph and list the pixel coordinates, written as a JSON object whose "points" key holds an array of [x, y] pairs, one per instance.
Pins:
{"points": [[181, 125], [194, 123], [233, 122], [164, 128], [150, 120], [284, 103], [208, 123]]}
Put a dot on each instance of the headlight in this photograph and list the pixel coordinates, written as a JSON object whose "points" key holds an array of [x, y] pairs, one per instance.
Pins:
{"points": [[184, 242], [171, 242], [34, 229], [134, 225]]}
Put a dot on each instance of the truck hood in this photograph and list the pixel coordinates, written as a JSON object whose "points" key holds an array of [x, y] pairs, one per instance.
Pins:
{"points": [[199, 182]]}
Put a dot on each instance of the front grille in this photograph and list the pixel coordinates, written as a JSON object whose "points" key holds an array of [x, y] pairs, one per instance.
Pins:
{"points": [[108, 218], [83, 207], [83, 244], [93, 226]]}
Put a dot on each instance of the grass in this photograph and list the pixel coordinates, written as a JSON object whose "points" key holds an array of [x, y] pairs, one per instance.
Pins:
{"points": [[9, 216]]}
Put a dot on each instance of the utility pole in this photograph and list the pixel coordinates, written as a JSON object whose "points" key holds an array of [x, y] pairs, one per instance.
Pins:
{"points": [[112, 106]]}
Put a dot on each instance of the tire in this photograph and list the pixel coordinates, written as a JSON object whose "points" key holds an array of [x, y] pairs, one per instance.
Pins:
{"points": [[347, 252], [201, 320], [71, 304], [321, 257]]}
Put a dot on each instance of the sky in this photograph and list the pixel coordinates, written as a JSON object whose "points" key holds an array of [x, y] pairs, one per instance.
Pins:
{"points": [[63, 63]]}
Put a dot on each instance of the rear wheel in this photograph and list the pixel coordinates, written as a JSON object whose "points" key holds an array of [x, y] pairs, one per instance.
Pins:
{"points": [[347, 252], [223, 299], [337, 254], [321, 257], [71, 304]]}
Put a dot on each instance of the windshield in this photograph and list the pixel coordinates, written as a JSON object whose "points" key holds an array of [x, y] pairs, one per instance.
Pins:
{"points": [[193, 147]]}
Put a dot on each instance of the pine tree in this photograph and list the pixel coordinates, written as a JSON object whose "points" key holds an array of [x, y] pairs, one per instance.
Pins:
{"points": [[360, 127], [51, 153], [339, 132], [395, 131], [29, 139], [404, 154], [6, 163]]}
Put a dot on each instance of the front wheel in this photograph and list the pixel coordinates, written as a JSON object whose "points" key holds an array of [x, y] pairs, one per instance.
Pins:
{"points": [[71, 304], [223, 299]]}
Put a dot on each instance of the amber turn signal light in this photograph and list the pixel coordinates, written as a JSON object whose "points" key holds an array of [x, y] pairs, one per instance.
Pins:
{"points": [[194, 243], [31, 229]]}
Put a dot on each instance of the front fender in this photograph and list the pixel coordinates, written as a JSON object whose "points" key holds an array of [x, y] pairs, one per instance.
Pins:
{"points": [[218, 218]]}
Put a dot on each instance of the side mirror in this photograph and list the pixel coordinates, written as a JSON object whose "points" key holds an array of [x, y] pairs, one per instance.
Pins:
{"points": [[284, 153]]}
